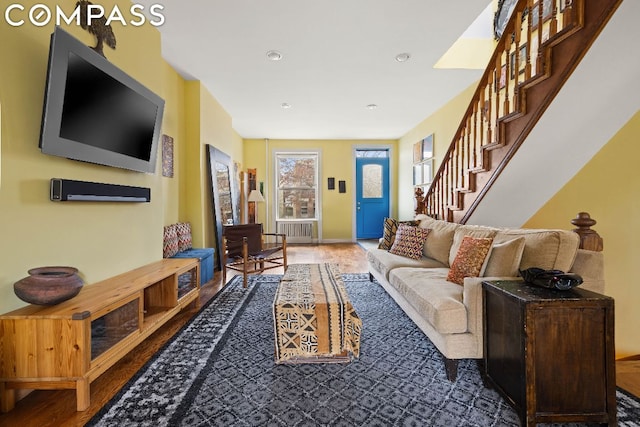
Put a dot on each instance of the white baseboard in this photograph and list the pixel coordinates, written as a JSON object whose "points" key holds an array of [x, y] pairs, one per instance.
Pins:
{"points": [[336, 241]]}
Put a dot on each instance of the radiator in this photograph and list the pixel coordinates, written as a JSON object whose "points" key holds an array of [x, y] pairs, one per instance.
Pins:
{"points": [[296, 231]]}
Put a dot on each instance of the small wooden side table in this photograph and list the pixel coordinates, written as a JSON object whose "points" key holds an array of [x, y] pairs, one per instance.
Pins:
{"points": [[550, 353]]}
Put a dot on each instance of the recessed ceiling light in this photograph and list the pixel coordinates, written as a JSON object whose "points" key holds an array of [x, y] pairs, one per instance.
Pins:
{"points": [[403, 57], [274, 55], [285, 105], [372, 106]]}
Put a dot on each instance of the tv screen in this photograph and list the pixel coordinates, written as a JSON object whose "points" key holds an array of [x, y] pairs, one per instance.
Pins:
{"points": [[95, 112]]}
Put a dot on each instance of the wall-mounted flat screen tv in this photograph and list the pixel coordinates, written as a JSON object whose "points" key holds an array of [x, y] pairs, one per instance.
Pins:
{"points": [[95, 112]]}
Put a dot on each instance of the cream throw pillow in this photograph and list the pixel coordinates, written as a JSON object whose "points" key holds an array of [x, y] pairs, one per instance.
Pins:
{"points": [[505, 258], [438, 243]]}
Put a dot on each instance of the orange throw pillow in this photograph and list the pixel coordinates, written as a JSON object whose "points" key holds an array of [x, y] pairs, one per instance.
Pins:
{"points": [[471, 259]]}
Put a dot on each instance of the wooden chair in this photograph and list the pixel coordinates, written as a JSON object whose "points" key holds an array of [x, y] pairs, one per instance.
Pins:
{"points": [[244, 250]]}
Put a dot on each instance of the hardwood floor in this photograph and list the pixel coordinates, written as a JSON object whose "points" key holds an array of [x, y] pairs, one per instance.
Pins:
{"points": [[628, 375], [58, 407]]}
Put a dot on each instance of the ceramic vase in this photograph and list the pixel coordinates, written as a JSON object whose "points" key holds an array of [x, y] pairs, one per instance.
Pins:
{"points": [[49, 285]]}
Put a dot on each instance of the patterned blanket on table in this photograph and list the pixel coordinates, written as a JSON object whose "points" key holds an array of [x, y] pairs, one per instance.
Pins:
{"points": [[314, 320]]}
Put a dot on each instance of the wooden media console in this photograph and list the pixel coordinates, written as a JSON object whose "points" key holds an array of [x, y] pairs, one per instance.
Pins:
{"points": [[67, 346]]}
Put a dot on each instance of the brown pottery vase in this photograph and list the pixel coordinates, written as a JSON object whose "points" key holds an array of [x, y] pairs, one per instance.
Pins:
{"points": [[48, 285]]}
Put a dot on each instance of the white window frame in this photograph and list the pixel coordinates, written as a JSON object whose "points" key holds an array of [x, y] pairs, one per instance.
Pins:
{"points": [[318, 193]]}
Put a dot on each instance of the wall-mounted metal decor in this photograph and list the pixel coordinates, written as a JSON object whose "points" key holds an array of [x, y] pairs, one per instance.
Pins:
{"points": [[167, 156], [98, 27]]}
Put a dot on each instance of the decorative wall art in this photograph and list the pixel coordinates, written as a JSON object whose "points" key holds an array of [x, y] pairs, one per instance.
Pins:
{"points": [[417, 152], [423, 164], [427, 171], [547, 9], [503, 77], [564, 4], [522, 61], [331, 183], [167, 156], [427, 147], [417, 174]]}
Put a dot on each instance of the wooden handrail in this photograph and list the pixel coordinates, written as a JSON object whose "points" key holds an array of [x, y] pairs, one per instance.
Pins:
{"points": [[519, 83]]}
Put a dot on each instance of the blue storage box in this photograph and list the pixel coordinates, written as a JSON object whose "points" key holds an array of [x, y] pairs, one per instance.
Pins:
{"points": [[205, 255]]}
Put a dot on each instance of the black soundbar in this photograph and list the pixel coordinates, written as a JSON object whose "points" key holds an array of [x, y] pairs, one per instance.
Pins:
{"points": [[68, 190]]}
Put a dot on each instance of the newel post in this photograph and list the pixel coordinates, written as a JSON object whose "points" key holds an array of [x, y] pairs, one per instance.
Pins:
{"points": [[420, 203], [589, 239]]}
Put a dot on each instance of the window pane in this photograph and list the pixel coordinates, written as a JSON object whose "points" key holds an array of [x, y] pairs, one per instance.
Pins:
{"points": [[297, 185], [372, 181], [296, 172], [372, 153], [296, 203]]}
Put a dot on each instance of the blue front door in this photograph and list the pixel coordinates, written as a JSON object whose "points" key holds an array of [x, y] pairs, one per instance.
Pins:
{"points": [[372, 196]]}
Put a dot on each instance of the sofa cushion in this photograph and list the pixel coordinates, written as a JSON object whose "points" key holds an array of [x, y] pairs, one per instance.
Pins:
{"points": [[436, 299], [468, 230], [440, 238], [169, 241], [409, 241], [471, 259], [505, 258], [547, 249], [383, 261], [390, 228]]}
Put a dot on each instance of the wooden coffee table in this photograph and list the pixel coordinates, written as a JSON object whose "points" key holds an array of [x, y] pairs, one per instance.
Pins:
{"points": [[314, 321]]}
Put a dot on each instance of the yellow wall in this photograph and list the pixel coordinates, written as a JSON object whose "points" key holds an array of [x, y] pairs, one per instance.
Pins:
{"points": [[36, 231], [100, 239], [608, 187], [207, 123], [336, 160], [467, 53], [442, 124], [173, 126]]}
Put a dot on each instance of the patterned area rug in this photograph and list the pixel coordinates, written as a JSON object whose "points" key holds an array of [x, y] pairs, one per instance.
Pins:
{"points": [[219, 370]]}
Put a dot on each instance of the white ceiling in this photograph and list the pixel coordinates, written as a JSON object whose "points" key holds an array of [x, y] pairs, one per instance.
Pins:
{"points": [[339, 56]]}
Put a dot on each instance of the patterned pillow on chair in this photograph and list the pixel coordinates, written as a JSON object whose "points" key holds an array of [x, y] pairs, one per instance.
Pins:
{"points": [[170, 241], [183, 230], [409, 241]]}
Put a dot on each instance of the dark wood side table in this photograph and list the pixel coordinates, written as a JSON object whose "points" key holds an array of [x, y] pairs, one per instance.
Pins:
{"points": [[550, 353]]}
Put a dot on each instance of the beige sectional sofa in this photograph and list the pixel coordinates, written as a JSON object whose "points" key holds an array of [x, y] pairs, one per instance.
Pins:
{"points": [[451, 314]]}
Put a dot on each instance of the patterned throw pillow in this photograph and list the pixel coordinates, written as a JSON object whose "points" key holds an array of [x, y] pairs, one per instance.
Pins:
{"points": [[409, 241], [390, 230], [471, 259], [170, 241], [184, 236]]}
